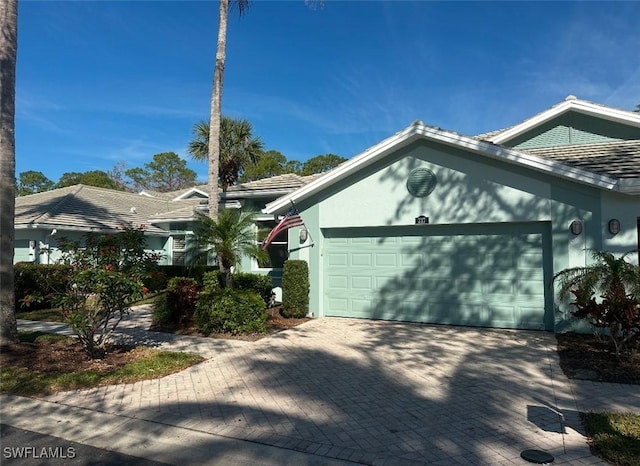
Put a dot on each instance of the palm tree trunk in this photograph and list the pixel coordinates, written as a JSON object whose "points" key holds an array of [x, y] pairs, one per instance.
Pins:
{"points": [[8, 53], [216, 109]]}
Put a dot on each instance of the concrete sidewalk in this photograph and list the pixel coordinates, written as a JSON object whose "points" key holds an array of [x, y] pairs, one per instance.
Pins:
{"points": [[143, 439], [343, 389]]}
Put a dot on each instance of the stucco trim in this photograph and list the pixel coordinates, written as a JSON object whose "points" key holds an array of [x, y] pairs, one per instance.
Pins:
{"points": [[188, 193], [580, 106]]}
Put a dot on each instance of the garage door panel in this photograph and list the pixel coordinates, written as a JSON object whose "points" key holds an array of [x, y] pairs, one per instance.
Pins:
{"points": [[338, 282], [386, 260], [337, 259], [485, 275], [498, 287], [362, 283], [361, 260]]}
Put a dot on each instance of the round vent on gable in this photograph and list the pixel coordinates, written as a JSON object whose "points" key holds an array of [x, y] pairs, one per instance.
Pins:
{"points": [[421, 182]]}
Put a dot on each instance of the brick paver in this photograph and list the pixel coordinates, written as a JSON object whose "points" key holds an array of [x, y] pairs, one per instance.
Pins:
{"points": [[376, 393]]}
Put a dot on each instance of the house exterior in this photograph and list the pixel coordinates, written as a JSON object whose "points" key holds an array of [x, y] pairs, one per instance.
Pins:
{"points": [[168, 218], [436, 227]]}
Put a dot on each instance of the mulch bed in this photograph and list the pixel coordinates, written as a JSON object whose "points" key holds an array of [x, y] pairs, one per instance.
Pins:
{"points": [[275, 323], [61, 357], [588, 357]]}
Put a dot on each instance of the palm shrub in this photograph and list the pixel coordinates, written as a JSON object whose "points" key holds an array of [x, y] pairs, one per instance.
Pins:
{"points": [[607, 295], [295, 288], [178, 303], [231, 311], [227, 238]]}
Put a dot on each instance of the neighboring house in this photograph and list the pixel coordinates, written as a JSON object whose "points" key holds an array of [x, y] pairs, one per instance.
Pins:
{"points": [[43, 218], [433, 226]]}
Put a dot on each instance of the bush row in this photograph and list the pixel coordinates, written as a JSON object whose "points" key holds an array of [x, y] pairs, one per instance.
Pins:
{"points": [[36, 285], [241, 309], [212, 306]]}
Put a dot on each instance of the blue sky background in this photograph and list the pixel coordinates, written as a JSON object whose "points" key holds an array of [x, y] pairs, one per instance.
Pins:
{"points": [[102, 82]]}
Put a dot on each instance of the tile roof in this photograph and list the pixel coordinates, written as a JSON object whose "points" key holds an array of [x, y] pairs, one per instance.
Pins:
{"points": [[618, 159], [81, 207], [288, 181]]}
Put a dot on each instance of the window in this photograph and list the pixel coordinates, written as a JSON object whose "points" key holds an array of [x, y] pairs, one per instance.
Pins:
{"points": [[278, 250], [179, 250]]}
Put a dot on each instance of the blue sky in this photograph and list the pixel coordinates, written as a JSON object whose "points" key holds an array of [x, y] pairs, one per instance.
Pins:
{"points": [[103, 82]]}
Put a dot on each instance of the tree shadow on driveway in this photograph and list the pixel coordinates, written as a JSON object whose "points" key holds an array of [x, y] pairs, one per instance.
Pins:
{"points": [[369, 392]]}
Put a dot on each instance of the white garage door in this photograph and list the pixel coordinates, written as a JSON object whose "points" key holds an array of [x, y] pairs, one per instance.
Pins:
{"points": [[479, 275]]}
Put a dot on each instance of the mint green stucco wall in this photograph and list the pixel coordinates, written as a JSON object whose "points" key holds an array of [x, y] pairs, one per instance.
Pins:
{"points": [[44, 239], [573, 128], [471, 189]]}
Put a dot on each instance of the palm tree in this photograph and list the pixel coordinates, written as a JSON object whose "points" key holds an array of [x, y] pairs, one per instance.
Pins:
{"points": [[216, 103], [8, 54], [238, 147], [230, 236], [617, 282]]}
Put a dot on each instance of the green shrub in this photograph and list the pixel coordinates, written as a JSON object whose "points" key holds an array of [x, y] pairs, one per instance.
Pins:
{"points": [[295, 288], [261, 284], [178, 304], [37, 284], [231, 311], [157, 281], [192, 271], [211, 281]]}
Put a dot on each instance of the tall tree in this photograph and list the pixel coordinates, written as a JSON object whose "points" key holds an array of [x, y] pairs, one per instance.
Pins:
{"points": [[97, 178], [216, 103], [31, 182], [8, 55], [321, 164], [269, 163], [166, 172], [238, 148]]}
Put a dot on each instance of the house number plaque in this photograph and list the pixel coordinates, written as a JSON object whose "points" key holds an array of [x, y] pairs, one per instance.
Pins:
{"points": [[422, 220]]}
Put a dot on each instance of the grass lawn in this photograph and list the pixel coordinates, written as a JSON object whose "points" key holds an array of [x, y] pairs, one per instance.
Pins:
{"points": [[614, 437], [46, 315], [44, 363], [54, 315]]}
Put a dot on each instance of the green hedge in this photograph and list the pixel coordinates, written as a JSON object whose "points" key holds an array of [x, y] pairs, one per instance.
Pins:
{"points": [[36, 285], [295, 288], [261, 284], [191, 271], [211, 281], [231, 311], [178, 304]]}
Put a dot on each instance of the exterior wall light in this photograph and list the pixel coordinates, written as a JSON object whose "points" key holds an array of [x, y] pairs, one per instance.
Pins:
{"points": [[304, 234], [614, 226], [576, 227]]}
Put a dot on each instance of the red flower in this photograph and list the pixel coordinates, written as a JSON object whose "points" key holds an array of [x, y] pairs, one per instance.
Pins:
{"points": [[145, 290]]}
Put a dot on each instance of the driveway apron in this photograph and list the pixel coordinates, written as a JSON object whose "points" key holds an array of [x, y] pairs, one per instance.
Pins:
{"points": [[372, 392]]}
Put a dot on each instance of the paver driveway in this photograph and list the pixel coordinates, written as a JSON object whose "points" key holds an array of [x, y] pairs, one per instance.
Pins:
{"points": [[372, 392]]}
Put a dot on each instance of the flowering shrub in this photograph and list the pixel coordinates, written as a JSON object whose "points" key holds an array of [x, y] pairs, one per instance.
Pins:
{"points": [[108, 274]]}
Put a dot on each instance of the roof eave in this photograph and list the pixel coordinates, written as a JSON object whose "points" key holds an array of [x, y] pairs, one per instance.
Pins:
{"points": [[581, 106], [70, 228], [629, 186], [414, 132], [362, 160]]}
